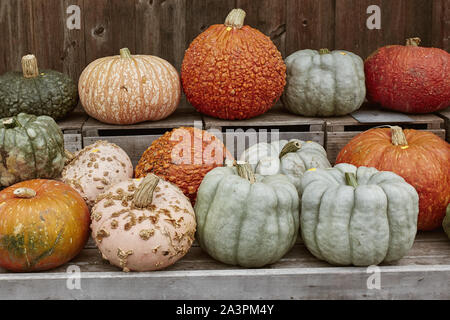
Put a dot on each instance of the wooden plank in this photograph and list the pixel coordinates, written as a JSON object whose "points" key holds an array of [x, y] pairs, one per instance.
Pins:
{"points": [[441, 24], [16, 28], [445, 114], [267, 16], [310, 24], [160, 29], [419, 16]]}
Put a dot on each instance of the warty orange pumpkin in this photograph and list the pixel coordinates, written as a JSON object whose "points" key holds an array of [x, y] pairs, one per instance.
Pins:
{"points": [[43, 224], [420, 157], [128, 89], [232, 71]]}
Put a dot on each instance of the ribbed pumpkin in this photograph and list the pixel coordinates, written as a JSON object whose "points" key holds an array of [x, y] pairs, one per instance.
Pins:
{"points": [[232, 71], [183, 156], [409, 78], [43, 224], [420, 157], [128, 89]]}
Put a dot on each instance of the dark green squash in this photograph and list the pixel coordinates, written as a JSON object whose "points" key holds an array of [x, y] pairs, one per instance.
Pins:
{"points": [[47, 92], [30, 147]]}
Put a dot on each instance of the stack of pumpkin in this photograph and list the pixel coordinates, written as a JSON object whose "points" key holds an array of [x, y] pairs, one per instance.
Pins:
{"points": [[366, 210]]}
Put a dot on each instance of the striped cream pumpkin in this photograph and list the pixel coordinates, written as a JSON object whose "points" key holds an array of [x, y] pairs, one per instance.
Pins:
{"points": [[128, 89]]}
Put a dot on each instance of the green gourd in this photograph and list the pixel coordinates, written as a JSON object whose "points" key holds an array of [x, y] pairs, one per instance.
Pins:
{"points": [[291, 158], [446, 222], [324, 83], [246, 219], [45, 92], [357, 216], [30, 147]]}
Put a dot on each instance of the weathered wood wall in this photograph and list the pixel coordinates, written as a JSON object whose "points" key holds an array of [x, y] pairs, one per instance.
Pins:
{"points": [[166, 27]]}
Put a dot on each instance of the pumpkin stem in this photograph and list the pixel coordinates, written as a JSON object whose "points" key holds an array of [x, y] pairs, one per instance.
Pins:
{"points": [[324, 51], [143, 196], [292, 146], [24, 193], [10, 123], [350, 178], [245, 171], [414, 42], [29, 66], [235, 18], [398, 136], [125, 53], [69, 157]]}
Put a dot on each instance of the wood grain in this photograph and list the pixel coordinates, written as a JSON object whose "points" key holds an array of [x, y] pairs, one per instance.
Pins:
{"points": [[441, 24]]}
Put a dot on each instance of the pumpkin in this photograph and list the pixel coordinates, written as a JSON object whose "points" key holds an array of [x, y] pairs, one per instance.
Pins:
{"points": [[446, 222], [43, 224], [323, 83], [128, 89], [246, 219], [30, 147], [143, 224], [420, 157], [357, 216], [183, 156], [232, 71], [95, 168], [409, 78], [291, 158], [44, 92]]}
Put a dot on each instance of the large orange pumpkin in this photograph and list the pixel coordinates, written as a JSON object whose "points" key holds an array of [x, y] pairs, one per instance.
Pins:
{"points": [[409, 78], [232, 71], [43, 224], [183, 156], [420, 157], [128, 89]]}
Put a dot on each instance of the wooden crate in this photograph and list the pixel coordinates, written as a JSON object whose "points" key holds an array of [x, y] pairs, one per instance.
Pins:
{"points": [[445, 114], [424, 273], [340, 130], [136, 138], [275, 124], [71, 127]]}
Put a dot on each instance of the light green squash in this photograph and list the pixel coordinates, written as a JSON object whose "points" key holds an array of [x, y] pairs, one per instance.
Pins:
{"points": [[245, 219], [446, 222], [291, 158], [324, 83], [357, 216]]}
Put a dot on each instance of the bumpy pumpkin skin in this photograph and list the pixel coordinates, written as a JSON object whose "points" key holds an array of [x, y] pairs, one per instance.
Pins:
{"points": [[265, 159], [143, 239], [424, 163], [250, 225], [128, 89], [195, 152], [409, 79], [324, 83], [42, 232], [446, 222], [362, 226], [30, 147], [233, 73]]}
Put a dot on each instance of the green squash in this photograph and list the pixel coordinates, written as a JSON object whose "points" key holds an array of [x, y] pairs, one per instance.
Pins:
{"points": [[324, 83], [48, 92], [446, 222], [30, 147], [291, 158], [357, 216], [246, 219]]}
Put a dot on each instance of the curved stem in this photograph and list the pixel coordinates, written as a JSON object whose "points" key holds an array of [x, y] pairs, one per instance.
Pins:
{"points": [[24, 193], [245, 171], [324, 51], [10, 123], [398, 136], [350, 179], [413, 42], [235, 18], [143, 196], [29, 66], [125, 53], [292, 146], [69, 157]]}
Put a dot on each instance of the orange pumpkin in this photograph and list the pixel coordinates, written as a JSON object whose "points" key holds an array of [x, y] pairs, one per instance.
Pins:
{"points": [[232, 71], [183, 156], [420, 157], [128, 89], [43, 224]]}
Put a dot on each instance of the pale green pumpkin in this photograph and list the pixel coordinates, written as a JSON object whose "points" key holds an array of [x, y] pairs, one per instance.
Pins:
{"points": [[357, 216], [246, 219], [324, 83], [291, 158], [446, 222]]}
